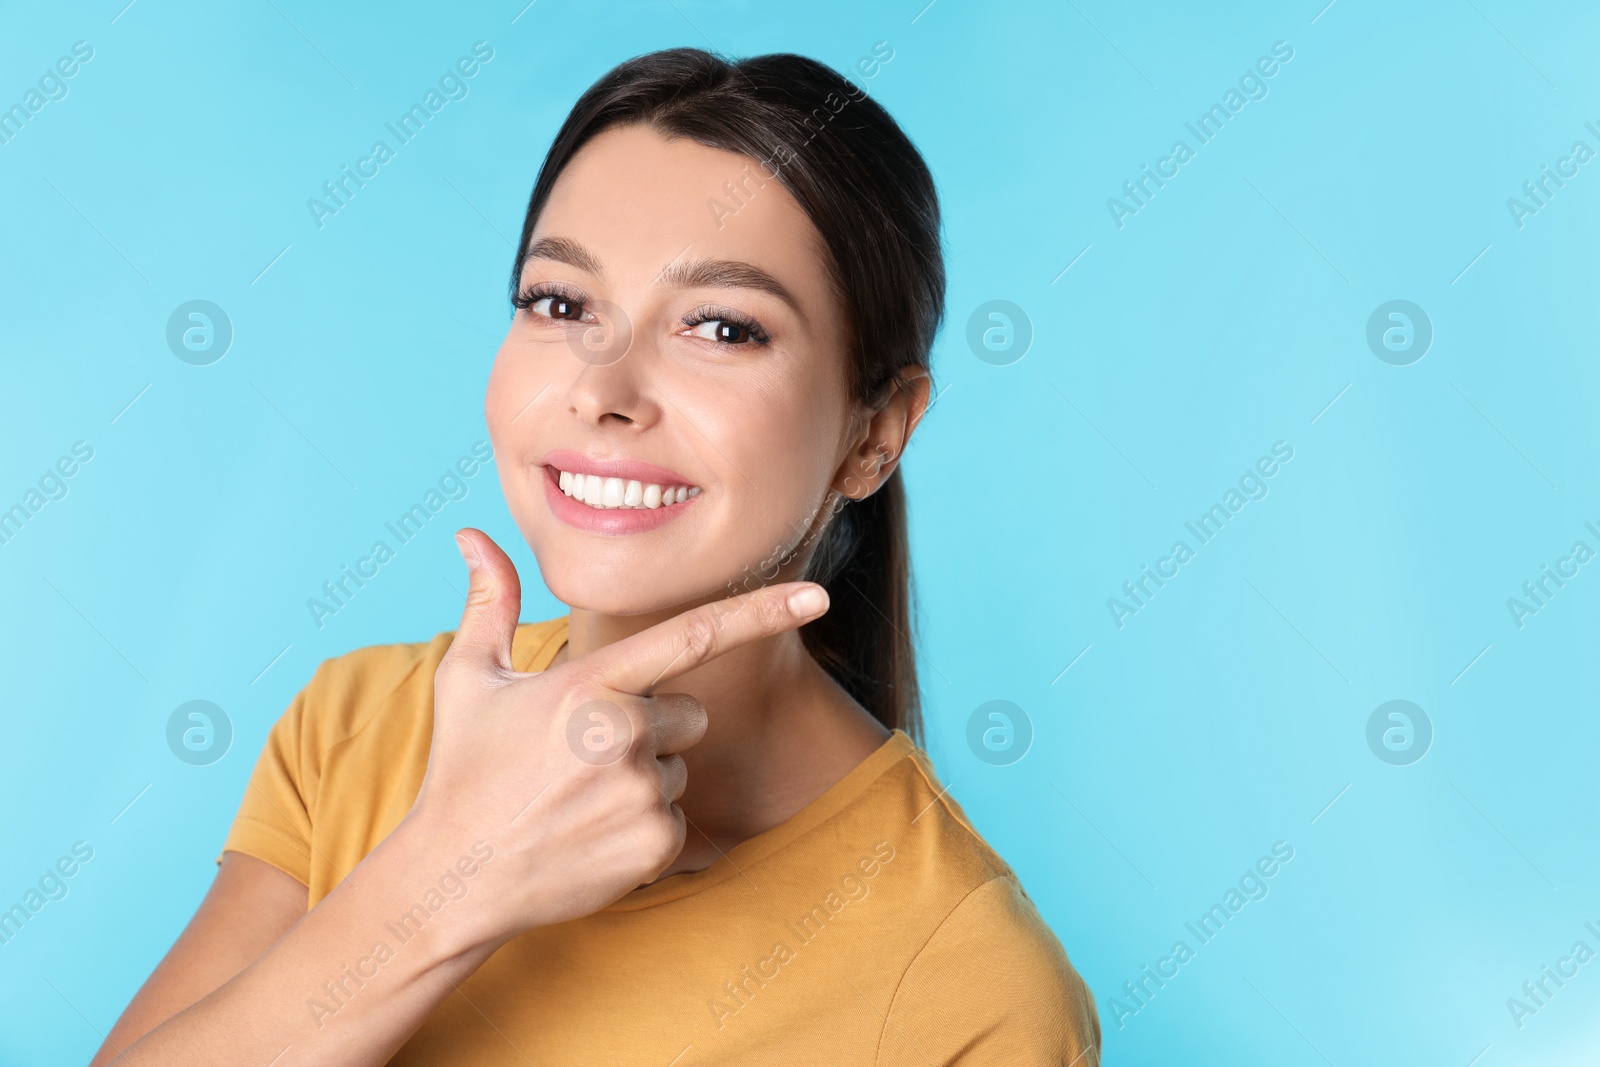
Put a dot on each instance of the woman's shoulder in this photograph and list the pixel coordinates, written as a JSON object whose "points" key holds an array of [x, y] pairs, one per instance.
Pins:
{"points": [[993, 959], [927, 814], [984, 950], [348, 689]]}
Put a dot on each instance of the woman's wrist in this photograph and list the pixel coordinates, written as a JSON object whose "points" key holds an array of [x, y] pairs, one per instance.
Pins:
{"points": [[435, 879]]}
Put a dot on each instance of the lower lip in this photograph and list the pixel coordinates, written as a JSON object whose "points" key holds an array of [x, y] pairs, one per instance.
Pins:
{"points": [[608, 520]]}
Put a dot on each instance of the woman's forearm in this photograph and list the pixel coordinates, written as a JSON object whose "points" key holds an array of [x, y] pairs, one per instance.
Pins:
{"points": [[353, 978]]}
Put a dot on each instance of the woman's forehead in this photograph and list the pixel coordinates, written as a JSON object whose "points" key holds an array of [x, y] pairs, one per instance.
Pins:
{"points": [[637, 200]]}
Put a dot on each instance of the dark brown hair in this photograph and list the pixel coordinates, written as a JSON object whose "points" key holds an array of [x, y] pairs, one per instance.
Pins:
{"points": [[870, 195]]}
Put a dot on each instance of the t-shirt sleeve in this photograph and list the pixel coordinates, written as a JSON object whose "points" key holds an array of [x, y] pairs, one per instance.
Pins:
{"points": [[274, 819], [992, 986]]}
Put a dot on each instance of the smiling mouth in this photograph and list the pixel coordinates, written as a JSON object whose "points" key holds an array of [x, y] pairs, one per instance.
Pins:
{"points": [[604, 494]]}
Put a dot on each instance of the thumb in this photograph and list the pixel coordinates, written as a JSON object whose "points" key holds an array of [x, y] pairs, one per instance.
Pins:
{"points": [[494, 600]]}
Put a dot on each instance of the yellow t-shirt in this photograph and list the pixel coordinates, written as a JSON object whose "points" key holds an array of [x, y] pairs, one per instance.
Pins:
{"points": [[875, 926]]}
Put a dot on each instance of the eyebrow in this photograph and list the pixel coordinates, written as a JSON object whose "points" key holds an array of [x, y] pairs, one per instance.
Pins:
{"points": [[680, 274]]}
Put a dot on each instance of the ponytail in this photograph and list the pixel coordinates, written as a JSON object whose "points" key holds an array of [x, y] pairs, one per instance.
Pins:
{"points": [[864, 641]]}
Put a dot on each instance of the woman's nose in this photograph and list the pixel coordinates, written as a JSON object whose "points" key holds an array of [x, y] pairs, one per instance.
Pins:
{"points": [[609, 362]]}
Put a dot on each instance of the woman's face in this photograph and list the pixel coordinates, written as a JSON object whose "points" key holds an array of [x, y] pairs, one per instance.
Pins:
{"points": [[683, 339]]}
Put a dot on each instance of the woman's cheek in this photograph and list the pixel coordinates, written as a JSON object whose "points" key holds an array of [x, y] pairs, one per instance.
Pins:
{"points": [[790, 503], [496, 398]]}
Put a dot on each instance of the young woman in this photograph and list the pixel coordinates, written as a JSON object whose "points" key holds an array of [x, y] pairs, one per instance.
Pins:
{"points": [[689, 822]]}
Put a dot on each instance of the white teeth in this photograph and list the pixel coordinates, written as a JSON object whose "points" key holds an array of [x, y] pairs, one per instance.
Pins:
{"points": [[607, 493]]}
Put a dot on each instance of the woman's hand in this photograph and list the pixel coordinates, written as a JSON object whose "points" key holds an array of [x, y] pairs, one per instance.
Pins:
{"points": [[570, 775]]}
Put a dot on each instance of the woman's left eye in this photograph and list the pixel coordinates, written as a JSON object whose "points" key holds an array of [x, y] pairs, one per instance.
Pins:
{"points": [[726, 328], [726, 332]]}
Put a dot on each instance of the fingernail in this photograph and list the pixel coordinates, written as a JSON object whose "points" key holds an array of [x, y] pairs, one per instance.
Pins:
{"points": [[808, 601], [469, 552]]}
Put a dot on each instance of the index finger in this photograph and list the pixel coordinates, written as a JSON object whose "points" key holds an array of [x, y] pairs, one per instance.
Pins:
{"points": [[653, 657]]}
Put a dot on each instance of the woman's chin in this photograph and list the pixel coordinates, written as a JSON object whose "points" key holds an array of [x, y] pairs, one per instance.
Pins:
{"points": [[612, 594]]}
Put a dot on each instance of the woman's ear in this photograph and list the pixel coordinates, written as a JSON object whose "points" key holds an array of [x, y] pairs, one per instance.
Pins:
{"points": [[883, 440]]}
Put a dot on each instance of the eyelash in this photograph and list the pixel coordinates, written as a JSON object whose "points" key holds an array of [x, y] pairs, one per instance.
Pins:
{"points": [[758, 337], [538, 291], [712, 313]]}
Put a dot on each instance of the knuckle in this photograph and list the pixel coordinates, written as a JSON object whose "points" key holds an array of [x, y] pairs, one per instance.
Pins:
{"points": [[584, 682], [634, 729], [599, 731], [675, 770], [480, 596], [699, 637], [645, 795], [666, 838], [678, 779], [772, 612]]}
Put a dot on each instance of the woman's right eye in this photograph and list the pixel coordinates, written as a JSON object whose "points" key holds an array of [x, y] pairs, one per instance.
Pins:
{"points": [[552, 305], [559, 307]]}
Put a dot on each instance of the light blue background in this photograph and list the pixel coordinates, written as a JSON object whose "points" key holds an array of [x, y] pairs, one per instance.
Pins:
{"points": [[1226, 315]]}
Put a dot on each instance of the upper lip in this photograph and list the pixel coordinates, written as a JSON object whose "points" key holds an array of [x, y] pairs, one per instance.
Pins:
{"points": [[632, 470]]}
